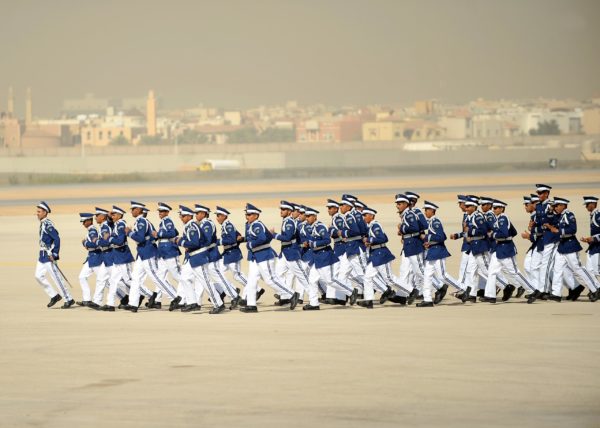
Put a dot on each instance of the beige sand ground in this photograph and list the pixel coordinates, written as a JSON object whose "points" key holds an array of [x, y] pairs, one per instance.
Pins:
{"points": [[456, 365]]}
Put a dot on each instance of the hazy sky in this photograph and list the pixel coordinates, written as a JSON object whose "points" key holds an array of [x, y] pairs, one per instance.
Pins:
{"points": [[243, 53]]}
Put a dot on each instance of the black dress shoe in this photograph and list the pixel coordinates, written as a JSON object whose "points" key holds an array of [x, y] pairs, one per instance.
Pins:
{"points": [[472, 299], [520, 292], [310, 308], [353, 297], [533, 297], [282, 302], [412, 296], [175, 303], [107, 308], [386, 295], [243, 302], [577, 292], [398, 299], [132, 308], [487, 299], [217, 310], [259, 293], [508, 292], [441, 294], [300, 301], [424, 304], [235, 302], [156, 305], [190, 308], [480, 293], [124, 300], [365, 304], [543, 296], [294, 301], [593, 296], [237, 291], [54, 300], [554, 298], [93, 305], [142, 300], [339, 302], [360, 296], [465, 296], [84, 303], [68, 304], [223, 295], [248, 309], [277, 296]]}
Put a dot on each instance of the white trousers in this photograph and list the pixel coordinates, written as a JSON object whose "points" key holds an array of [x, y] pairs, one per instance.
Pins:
{"points": [[294, 268], [478, 266], [436, 269], [169, 266], [236, 269], [508, 266], [151, 268], [266, 271], [562, 262], [412, 272], [545, 267], [198, 276], [120, 277], [85, 273], [41, 270], [330, 276], [536, 269], [103, 282], [527, 268], [593, 264], [384, 271]]}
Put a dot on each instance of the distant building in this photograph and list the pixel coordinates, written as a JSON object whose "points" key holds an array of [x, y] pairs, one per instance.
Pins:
{"points": [[151, 115], [10, 131], [425, 108], [330, 130], [591, 121], [457, 128], [402, 130], [233, 118]]}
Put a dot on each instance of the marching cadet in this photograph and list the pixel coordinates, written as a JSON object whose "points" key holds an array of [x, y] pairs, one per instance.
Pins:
{"points": [[167, 253], [196, 264], [435, 259], [304, 232], [533, 237], [567, 253], [261, 260], [333, 295], [379, 261], [209, 231], [49, 254], [410, 230], [593, 251], [465, 248], [323, 261], [544, 214], [231, 258], [105, 222], [485, 205], [476, 230], [93, 260], [503, 233], [362, 226], [288, 261], [146, 263]]}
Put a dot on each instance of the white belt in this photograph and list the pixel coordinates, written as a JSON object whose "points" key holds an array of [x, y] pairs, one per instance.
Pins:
{"points": [[202, 250], [477, 238], [503, 239], [375, 247], [321, 248], [336, 240], [354, 238], [566, 236], [163, 240], [228, 247], [260, 248], [411, 235], [117, 246]]}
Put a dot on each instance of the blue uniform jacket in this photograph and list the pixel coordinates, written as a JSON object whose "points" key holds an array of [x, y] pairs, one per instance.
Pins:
{"points": [[567, 227], [436, 237], [544, 214], [422, 219], [337, 224], [194, 243], [141, 233], [378, 253], [477, 231], [167, 249], [231, 246], [490, 218], [466, 246], [104, 244], [209, 231], [410, 229], [322, 253], [289, 243], [258, 242], [505, 247], [121, 254], [94, 256], [304, 231], [353, 234], [360, 221], [594, 247], [49, 241]]}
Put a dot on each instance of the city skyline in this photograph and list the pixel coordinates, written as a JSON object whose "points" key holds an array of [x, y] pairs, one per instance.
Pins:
{"points": [[237, 54]]}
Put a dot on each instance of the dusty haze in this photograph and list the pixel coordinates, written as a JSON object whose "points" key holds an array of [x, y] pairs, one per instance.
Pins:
{"points": [[238, 53]]}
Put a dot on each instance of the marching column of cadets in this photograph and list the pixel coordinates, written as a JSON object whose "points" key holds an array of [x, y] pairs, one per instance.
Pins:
{"points": [[335, 264]]}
